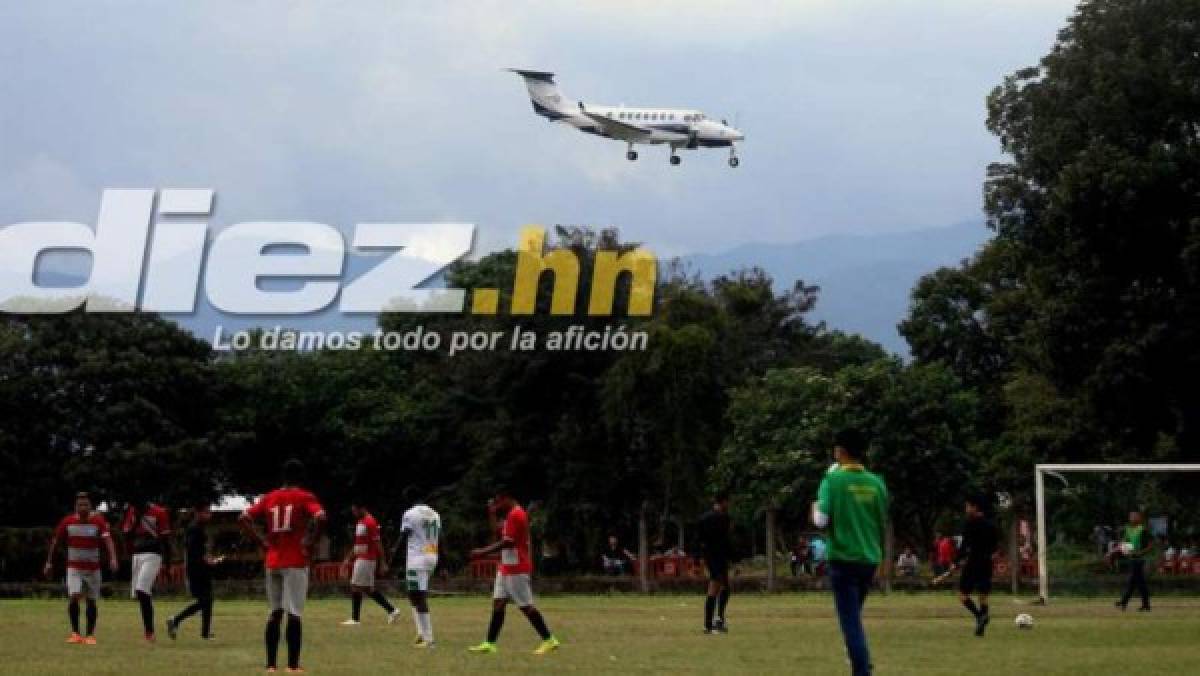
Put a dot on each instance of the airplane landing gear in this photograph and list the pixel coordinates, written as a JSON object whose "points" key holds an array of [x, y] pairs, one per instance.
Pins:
{"points": [[733, 159], [675, 159], [631, 154]]}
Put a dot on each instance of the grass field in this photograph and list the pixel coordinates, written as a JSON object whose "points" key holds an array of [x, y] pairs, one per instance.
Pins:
{"points": [[910, 634]]}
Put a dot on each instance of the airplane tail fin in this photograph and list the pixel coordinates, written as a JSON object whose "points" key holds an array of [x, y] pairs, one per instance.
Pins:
{"points": [[543, 93]]}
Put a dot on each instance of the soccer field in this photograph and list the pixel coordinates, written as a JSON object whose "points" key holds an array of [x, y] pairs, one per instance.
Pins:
{"points": [[923, 634]]}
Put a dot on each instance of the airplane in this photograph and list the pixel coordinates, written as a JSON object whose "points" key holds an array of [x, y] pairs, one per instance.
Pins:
{"points": [[676, 127]]}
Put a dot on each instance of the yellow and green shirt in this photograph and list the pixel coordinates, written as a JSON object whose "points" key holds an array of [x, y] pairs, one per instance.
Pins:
{"points": [[855, 501]]}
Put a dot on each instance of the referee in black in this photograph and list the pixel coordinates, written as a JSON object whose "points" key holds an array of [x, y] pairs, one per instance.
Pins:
{"points": [[716, 550], [980, 537], [199, 575]]}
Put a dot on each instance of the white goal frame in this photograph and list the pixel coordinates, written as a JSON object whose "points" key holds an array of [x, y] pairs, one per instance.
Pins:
{"points": [[1040, 472]]}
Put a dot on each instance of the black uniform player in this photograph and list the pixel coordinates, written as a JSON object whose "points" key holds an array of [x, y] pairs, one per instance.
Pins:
{"points": [[980, 537], [716, 550], [199, 575]]}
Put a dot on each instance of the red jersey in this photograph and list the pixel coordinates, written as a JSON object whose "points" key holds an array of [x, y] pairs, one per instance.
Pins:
{"points": [[147, 526], [287, 512], [945, 551], [515, 560], [366, 538], [84, 538]]}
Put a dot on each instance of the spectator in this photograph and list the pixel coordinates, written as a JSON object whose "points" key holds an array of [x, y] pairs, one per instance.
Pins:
{"points": [[816, 555], [615, 559], [944, 552], [800, 558], [908, 563]]}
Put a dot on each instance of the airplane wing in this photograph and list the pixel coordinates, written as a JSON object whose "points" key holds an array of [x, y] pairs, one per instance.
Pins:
{"points": [[618, 129]]}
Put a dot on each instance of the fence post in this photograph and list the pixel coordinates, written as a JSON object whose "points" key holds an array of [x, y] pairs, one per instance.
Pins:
{"points": [[643, 551], [1014, 553], [770, 549]]}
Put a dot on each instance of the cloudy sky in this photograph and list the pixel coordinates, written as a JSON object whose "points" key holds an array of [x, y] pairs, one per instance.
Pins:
{"points": [[862, 116]]}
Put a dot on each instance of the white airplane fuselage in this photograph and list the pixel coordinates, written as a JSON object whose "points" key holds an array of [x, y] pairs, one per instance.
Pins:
{"points": [[680, 128]]}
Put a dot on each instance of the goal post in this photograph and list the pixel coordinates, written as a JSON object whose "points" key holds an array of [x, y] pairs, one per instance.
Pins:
{"points": [[1040, 472]]}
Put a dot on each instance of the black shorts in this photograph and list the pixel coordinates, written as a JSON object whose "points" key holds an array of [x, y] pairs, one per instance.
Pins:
{"points": [[975, 580], [718, 568]]}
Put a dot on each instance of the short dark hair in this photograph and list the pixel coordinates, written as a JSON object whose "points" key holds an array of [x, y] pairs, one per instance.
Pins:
{"points": [[504, 491], [721, 496], [83, 495], [981, 501], [852, 440], [202, 506], [293, 471]]}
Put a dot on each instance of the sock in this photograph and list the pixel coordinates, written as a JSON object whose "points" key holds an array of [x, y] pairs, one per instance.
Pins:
{"points": [[495, 625], [983, 610], [425, 626], [295, 636], [206, 618], [147, 607], [710, 603], [722, 601], [383, 602], [970, 605], [417, 621], [539, 624], [73, 613], [272, 639], [355, 606], [187, 612], [92, 612]]}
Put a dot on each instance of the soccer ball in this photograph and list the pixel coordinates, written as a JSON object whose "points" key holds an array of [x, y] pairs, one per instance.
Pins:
{"points": [[1024, 621]]}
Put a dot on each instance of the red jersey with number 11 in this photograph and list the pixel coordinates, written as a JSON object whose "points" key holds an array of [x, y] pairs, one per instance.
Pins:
{"points": [[286, 513]]}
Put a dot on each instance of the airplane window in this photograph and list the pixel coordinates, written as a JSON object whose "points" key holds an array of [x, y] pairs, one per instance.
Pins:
{"points": [[672, 117], [610, 114]]}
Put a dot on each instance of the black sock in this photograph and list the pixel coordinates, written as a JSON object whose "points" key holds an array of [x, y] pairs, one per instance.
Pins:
{"points": [[539, 624], [970, 605], [206, 617], [495, 625], [187, 612], [92, 612], [295, 636], [379, 598], [73, 613], [147, 606], [272, 638], [355, 606], [983, 610], [722, 601], [710, 604]]}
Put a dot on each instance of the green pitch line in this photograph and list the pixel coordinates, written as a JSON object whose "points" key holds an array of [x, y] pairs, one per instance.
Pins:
{"points": [[925, 635]]}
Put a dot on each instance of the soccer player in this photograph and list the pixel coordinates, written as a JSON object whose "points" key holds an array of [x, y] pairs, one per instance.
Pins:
{"points": [[1139, 544], [367, 557], [293, 520], [974, 558], [82, 532], [716, 550], [852, 504], [421, 527], [147, 525], [200, 564], [513, 577]]}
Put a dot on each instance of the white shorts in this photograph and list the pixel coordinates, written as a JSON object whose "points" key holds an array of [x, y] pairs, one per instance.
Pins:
{"points": [[78, 579], [287, 589], [417, 579], [515, 588], [363, 573], [145, 572]]}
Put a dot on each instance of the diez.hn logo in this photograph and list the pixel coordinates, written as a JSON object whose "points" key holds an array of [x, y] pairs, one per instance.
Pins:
{"points": [[154, 264]]}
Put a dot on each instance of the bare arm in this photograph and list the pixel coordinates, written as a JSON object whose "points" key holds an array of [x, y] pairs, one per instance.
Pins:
{"points": [[112, 552], [502, 543], [246, 522], [48, 569]]}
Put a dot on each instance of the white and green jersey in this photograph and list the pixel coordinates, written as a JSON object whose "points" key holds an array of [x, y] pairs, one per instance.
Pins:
{"points": [[423, 526]]}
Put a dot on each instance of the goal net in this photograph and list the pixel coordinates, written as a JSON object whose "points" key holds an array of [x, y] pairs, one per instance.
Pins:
{"points": [[1082, 511]]}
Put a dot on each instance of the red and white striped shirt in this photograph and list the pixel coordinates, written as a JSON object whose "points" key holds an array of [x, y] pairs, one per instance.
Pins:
{"points": [[366, 538], [84, 538]]}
